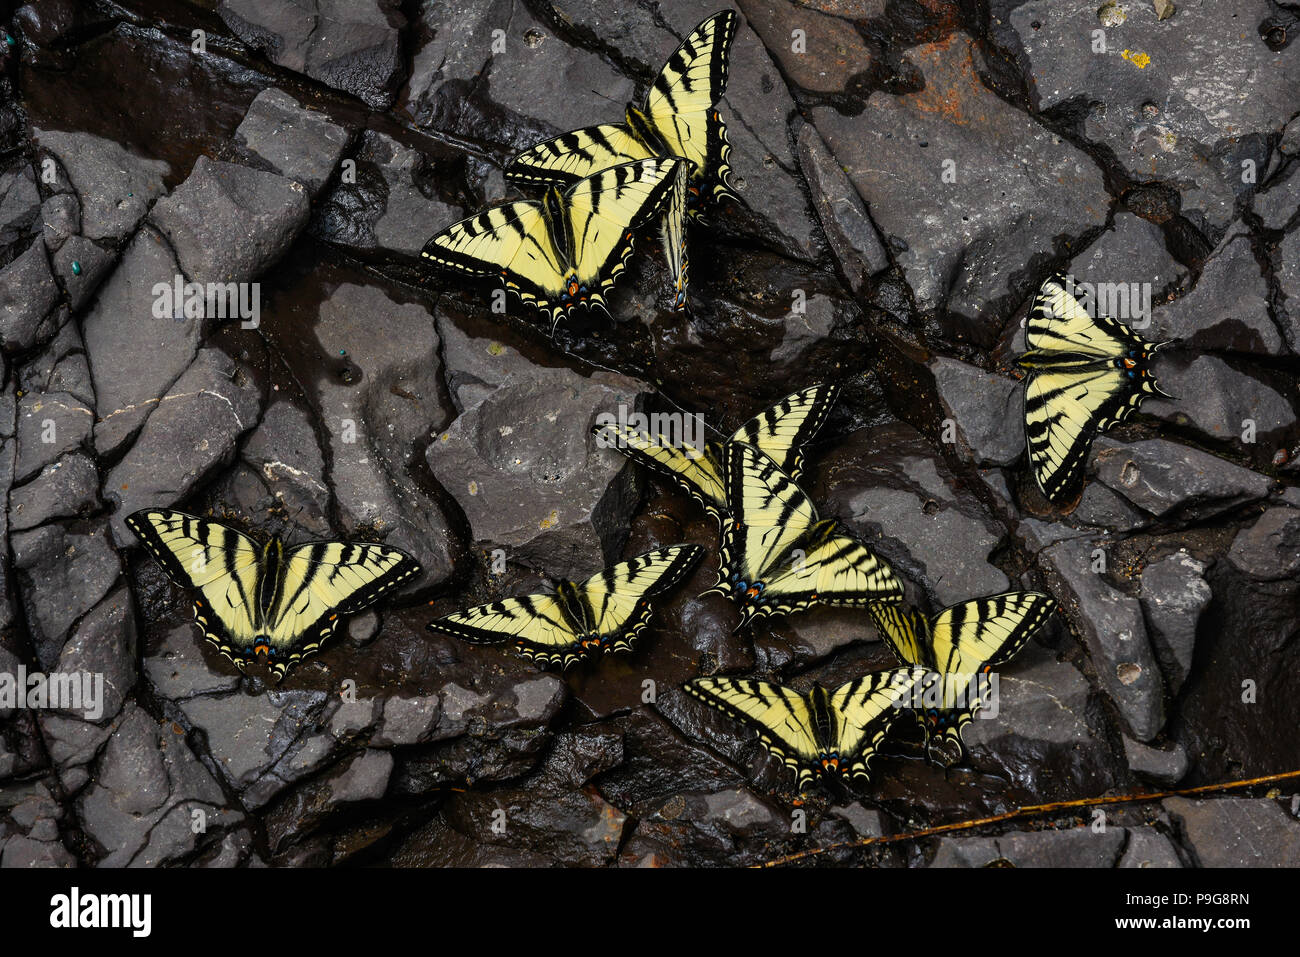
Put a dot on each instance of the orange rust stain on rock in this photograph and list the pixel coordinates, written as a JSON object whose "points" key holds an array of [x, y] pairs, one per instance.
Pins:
{"points": [[952, 91]]}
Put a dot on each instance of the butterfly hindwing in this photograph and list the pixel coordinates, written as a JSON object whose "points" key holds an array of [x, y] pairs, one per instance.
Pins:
{"points": [[777, 557], [782, 431], [681, 104], [605, 612], [567, 251]]}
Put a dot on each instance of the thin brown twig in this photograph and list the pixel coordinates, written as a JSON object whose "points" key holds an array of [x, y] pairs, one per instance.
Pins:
{"points": [[1029, 810]]}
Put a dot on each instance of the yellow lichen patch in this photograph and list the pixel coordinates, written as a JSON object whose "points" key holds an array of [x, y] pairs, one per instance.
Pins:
{"points": [[1140, 60], [496, 349], [473, 488], [550, 521]]}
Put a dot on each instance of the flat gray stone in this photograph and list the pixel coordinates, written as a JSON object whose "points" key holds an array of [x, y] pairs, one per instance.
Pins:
{"points": [[1169, 480], [190, 436], [115, 186], [304, 145], [228, 223], [986, 411], [28, 294], [1237, 831], [1174, 596]]}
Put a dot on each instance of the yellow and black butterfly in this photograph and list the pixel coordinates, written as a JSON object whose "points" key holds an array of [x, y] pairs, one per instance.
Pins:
{"points": [[1085, 375], [820, 733], [602, 614], [567, 250], [678, 118], [780, 432], [962, 645], [778, 557], [267, 602]]}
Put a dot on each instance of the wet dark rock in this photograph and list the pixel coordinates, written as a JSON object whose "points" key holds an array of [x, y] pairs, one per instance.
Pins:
{"points": [[547, 86], [1226, 403], [104, 644], [263, 742], [354, 47], [1174, 596], [284, 452], [60, 367], [177, 670], [363, 777], [1288, 278], [66, 488], [832, 53], [853, 238], [1019, 190], [1148, 847], [228, 223], [376, 427], [62, 218], [50, 425], [887, 484], [986, 411], [1269, 550], [63, 571], [526, 470], [1103, 508], [20, 207], [29, 828], [114, 186], [193, 432], [1072, 847], [28, 294], [1131, 250], [1228, 309], [1172, 481], [1206, 65], [1042, 732], [302, 144], [1164, 766], [1278, 204], [81, 266], [1237, 831], [391, 207], [1114, 632], [146, 789], [474, 367], [121, 328]]}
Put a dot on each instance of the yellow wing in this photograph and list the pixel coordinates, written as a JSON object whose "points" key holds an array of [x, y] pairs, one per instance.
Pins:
{"points": [[987, 631], [1058, 323], [222, 564], [906, 633], [318, 583], [569, 157], [696, 470], [781, 716], [865, 709], [536, 623], [781, 431], [681, 103]]}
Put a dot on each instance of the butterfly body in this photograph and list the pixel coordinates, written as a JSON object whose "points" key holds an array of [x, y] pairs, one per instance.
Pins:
{"points": [[566, 250], [778, 557], [824, 733], [1086, 373], [272, 604], [603, 613]]}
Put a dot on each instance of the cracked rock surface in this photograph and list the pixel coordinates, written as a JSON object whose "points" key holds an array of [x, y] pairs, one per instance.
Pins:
{"points": [[211, 299]]}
